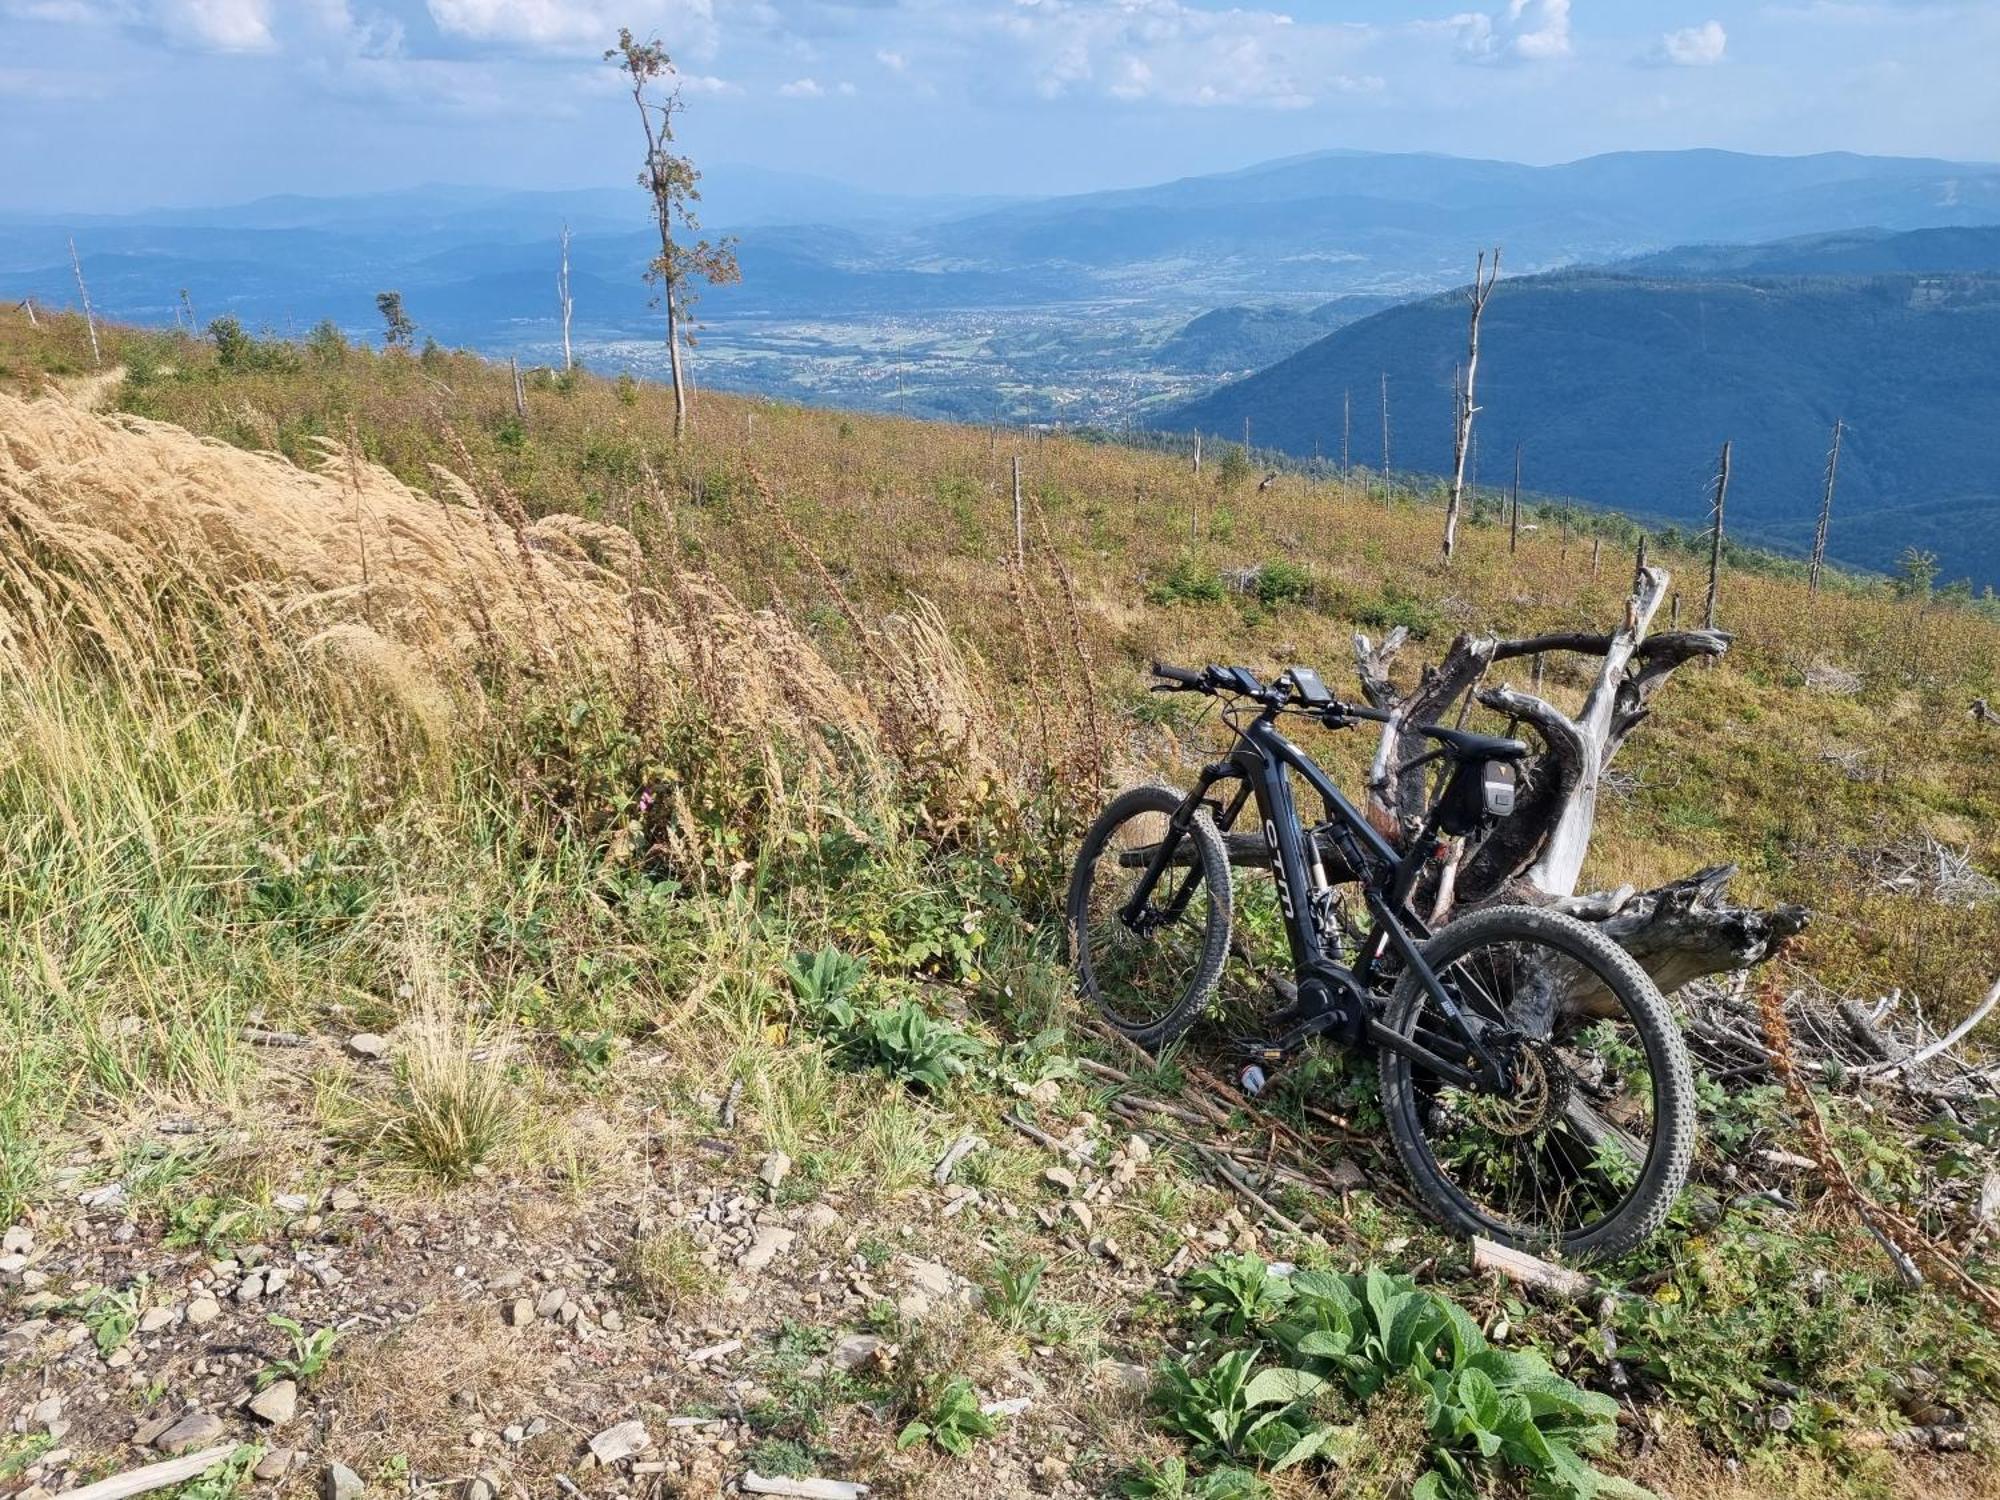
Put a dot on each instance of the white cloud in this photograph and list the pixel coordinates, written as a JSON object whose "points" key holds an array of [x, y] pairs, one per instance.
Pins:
{"points": [[895, 62], [580, 25], [1528, 31], [223, 25], [801, 88], [1166, 51], [1693, 46]]}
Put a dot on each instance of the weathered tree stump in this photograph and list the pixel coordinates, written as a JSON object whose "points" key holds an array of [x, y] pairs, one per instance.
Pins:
{"points": [[1678, 932]]}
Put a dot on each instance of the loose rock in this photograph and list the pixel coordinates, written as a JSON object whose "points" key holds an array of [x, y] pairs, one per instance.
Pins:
{"points": [[195, 1430], [620, 1442], [367, 1046], [341, 1483], [203, 1310], [770, 1243], [277, 1403]]}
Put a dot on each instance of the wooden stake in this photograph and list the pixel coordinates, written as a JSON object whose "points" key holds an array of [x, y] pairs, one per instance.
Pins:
{"points": [[520, 393], [1825, 511], [1596, 551], [1020, 520], [1514, 522], [1197, 450], [1346, 429], [89, 317], [1715, 534]]}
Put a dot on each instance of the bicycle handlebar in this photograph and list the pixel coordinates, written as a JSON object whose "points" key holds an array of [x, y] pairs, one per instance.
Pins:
{"points": [[1281, 694]]}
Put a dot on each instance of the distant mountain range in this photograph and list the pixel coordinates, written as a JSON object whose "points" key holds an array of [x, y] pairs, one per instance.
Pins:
{"points": [[1745, 296], [1304, 229], [1620, 388]]}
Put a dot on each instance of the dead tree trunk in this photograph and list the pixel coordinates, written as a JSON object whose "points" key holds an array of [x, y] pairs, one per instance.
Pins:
{"points": [[1677, 932], [1385, 428], [1825, 511], [82, 291], [1715, 534], [564, 300], [1467, 401], [1514, 510]]}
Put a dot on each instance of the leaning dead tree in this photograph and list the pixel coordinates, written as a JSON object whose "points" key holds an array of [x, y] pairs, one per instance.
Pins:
{"points": [[1465, 404], [564, 301], [1677, 932]]}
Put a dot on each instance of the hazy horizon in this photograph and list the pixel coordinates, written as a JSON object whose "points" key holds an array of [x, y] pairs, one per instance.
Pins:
{"points": [[236, 100]]}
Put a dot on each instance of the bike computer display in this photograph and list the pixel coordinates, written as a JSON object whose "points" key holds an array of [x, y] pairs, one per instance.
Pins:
{"points": [[1312, 692]]}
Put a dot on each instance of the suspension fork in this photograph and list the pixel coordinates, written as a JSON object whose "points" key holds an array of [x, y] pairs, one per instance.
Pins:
{"points": [[1177, 829]]}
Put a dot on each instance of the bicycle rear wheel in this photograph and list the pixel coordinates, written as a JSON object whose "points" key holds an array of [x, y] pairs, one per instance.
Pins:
{"points": [[1587, 1152], [1151, 969]]}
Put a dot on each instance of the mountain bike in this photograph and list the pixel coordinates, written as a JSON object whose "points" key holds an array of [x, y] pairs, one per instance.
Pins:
{"points": [[1533, 1082]]}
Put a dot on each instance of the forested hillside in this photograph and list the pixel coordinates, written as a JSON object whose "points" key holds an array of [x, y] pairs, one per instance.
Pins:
{"points": [[1621, 389]]}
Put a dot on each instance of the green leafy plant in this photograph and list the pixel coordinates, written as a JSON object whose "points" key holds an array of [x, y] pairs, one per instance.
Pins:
{"points": [[225, 1478], [310, 1352], [1172, 1481], [825, 983], [1187, 582], [907, 1043], [954, 1421], [110, 1316], [1011, 1297], [1316, 1344]]}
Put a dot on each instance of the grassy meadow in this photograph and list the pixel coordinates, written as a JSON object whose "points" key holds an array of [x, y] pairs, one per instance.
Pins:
{"points": [[619, 783]]}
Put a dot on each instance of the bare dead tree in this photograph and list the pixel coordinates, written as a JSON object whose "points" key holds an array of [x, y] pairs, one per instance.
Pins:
{"points": [[1385, 426], [1020, 520], [1514, 510], [1715, 534], [82, 291], [1197, 450], [28, 307], [673, 184], [1825, 511], [564, 300], [520, 391], [1677, 932], [1467, 401], [1346, 429]]}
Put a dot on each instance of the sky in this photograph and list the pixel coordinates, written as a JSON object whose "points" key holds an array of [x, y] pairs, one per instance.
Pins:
{"points": [[110, 105]]}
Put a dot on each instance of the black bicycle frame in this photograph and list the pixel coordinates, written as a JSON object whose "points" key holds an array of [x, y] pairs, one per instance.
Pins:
{"points": [[1260, 761]]}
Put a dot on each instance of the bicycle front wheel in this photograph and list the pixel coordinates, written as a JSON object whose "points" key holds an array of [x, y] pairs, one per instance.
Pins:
{"points": [[1588, 1148], [1149, 943]]}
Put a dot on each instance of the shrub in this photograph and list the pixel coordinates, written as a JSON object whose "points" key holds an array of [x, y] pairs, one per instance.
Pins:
{"points": [[1187, 582], [1283, 582]]}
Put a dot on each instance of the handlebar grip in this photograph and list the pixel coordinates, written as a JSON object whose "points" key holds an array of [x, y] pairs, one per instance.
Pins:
{"points": [[1179, 675], [1359, 711]]}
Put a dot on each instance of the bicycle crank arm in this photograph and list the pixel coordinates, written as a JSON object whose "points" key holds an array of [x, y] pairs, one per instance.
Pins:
{"points": [[1423, 1057]]}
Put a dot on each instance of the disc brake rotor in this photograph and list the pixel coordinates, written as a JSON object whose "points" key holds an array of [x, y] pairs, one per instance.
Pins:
{"points": [[1541, 1089]]}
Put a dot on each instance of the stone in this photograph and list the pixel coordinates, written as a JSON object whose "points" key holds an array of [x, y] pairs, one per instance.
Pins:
{"points": [[1136, 1149], [341, 1483], [202, 1311], [930, 1277], [367, 1046], [1060, 1177], [822, 1217], [1117, 1375], [774, 1169], [551, 1303], [18, 1240], [620, 1442], [344, 1201], [195, 1430], [519, 1313], [46, 1412], [108, 1198], [613, 1319], [275, 1464], [856, 1350], [118, 1359], [276, 1280], [771, 1242], [277, 1403], [291, 1203], [153, 1319], [485, 1485]]}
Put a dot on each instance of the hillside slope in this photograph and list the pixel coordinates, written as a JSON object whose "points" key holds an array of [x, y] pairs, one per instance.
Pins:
{"points": [[620, 1040], [1621, 389]]}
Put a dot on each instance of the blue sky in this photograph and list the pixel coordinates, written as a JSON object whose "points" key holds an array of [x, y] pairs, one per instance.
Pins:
{"points": [[108, 104]]}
